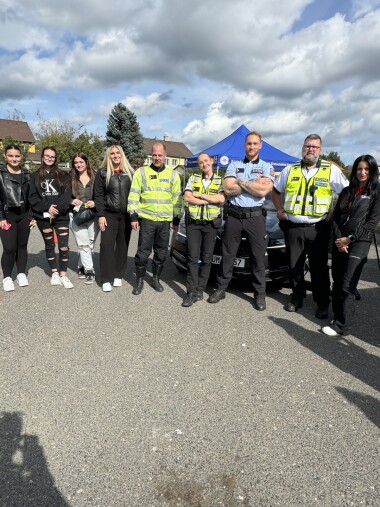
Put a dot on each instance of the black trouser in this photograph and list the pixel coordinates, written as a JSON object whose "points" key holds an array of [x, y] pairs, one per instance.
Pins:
{"points": [[114, 242], [152, 235], [312, 240], [200, 247], [61, 229], [15, 242], [255, 229], [346, 271]]}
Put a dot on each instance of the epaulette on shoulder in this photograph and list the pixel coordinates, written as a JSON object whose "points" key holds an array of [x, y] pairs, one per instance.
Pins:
{"points": [[325, 163], [197, 177]]}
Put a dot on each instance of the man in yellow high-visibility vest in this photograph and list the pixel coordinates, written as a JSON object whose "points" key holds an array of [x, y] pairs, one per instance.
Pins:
{"points": [[304, 217], [155, 202]]}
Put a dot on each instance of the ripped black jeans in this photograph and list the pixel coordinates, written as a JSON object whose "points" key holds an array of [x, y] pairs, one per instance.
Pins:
{"points": [[62, 232]]}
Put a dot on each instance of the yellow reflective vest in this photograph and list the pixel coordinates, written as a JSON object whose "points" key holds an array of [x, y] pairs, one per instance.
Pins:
{"points": [[204, 211], [308, 198], [155, 195]]}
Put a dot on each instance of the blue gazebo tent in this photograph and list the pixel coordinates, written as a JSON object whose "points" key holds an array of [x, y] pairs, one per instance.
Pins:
{"points": [[232, 148]]}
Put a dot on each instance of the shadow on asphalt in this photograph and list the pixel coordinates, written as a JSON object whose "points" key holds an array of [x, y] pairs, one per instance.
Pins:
{"points": [[340, 351], [369, 405], [25, 480], [346, 355]]}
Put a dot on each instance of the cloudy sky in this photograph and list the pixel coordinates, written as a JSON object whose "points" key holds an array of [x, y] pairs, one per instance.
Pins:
{"points": [[197, 69]]}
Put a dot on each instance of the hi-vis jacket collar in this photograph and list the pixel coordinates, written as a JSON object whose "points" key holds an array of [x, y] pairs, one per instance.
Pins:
{"points": [[158, 169], [317, 165]]}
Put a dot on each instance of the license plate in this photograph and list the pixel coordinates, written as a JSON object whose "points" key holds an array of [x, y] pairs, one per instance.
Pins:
{"points": [[238, 263]]}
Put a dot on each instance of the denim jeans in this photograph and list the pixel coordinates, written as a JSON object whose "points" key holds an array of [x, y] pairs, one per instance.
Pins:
{"points": [[85, 236]]}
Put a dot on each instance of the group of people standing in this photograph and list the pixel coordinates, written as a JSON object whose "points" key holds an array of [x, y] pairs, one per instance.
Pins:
{"points": [[86, 203], [118, 199], [303, 195]]}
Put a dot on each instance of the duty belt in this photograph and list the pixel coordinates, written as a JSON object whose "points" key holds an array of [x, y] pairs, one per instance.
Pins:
{"points": [[200, 222], [242, 212]]}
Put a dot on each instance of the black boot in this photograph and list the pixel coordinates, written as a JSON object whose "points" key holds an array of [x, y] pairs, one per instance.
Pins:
{"points": [[140, 273], [157, 270]]}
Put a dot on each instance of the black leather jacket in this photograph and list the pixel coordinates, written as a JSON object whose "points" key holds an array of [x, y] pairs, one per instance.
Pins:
{"points": [[113, 198], [356, 216], [10, 190]]}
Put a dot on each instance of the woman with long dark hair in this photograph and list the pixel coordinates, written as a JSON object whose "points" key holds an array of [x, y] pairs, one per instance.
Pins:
{"points": [[82, 189], [14, 217], [111, 191], [355, 217], [50, 199]]}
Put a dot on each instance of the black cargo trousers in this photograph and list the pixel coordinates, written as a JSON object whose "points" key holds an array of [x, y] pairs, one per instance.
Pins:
{"points": [[153, 235], [252, 221]]}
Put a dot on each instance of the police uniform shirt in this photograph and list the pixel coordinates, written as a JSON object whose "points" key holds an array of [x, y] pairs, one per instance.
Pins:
{"points": [[337, 182], [248, 170]]}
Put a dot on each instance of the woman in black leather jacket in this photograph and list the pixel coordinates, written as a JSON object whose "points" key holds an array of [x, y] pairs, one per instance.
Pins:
{"points": [[111, 190], [14, 217], [355, 216]]}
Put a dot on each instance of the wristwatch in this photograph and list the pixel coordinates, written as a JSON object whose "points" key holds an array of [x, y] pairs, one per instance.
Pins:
{"points": [[351, 237]]}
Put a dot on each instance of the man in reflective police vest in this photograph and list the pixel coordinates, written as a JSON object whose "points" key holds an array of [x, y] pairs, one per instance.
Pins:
{"points": [[154, 202], [204, 196], [304, 217]]}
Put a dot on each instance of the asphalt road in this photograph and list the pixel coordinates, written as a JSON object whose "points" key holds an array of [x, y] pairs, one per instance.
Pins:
{"points": [[110, 400]]}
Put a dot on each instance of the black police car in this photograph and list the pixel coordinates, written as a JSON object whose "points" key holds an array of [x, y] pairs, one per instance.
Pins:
{"points": [[277, 269]]}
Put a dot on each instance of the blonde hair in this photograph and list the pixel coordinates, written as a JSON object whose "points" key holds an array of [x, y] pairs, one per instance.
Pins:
{"points": [[125, 166]]}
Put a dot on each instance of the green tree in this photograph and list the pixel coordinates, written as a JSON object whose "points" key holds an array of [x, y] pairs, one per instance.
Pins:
{"points": [[124, 129], [334, 157], [69, 139]]}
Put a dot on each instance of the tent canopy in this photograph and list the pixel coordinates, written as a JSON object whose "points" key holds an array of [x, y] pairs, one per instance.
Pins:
{"points": [[232, 148]]}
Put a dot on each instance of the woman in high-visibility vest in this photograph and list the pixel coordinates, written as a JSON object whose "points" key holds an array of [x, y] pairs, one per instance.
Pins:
{"points": [[204, 197]]}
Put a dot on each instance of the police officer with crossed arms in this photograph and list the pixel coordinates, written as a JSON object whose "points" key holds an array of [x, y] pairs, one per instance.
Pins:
{"points": [[246, 183], [203, 197]]}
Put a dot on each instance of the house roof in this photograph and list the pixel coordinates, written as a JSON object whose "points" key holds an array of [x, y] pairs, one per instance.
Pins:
{"points": [[18, 130], [173, 148]]}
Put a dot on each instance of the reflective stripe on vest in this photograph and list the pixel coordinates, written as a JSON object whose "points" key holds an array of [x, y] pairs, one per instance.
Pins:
{"points": [[206, 211], [308, 198], [156, 199]]}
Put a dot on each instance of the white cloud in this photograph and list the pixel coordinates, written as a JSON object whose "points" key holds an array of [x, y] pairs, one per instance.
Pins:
{"points": [[363, 7], [148, 105], [230, 63]]}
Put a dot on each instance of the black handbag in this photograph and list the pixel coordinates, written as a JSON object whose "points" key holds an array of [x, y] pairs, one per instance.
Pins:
{"points": [[83, 216]]}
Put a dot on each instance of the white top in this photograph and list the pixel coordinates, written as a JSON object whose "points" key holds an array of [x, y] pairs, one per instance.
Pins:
{"points": [[205, 182]]}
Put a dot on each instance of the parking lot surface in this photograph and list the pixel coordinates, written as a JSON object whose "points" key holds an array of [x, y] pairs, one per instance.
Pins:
{"points": [[110, 399]]}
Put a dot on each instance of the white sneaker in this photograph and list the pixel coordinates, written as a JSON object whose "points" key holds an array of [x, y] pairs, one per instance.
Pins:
{"points": [[331, 330], [66, 282], [22, 280], [117, 282], [8, 284], [107, 287], [55, 278]]}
